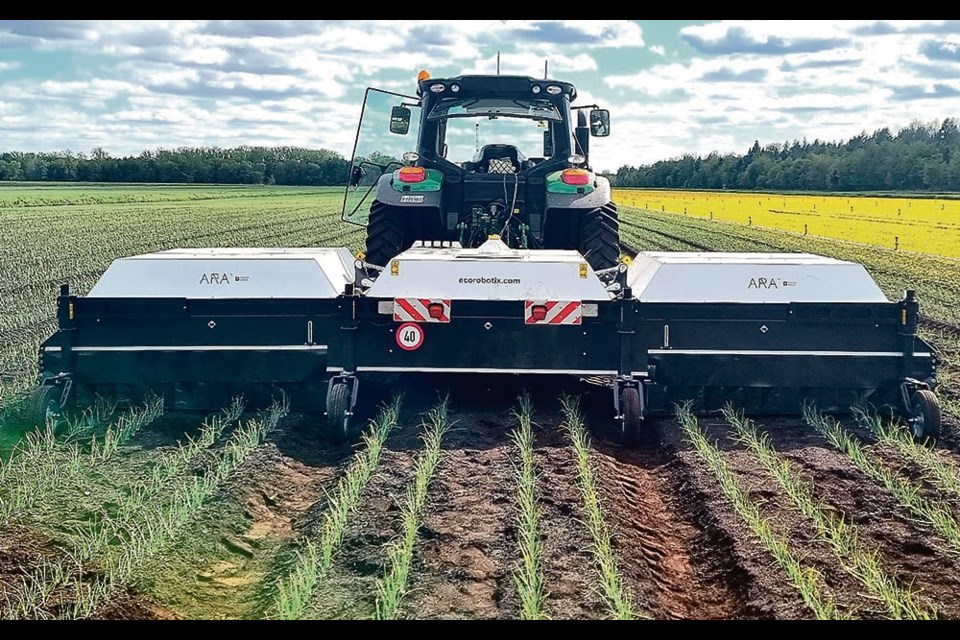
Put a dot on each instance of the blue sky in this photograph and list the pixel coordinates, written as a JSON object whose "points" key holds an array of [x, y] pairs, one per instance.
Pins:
{"points": [[673, 87]]}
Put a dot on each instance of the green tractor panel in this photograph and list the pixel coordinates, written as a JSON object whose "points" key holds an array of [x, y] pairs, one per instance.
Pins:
{"points": [[503, 156]]}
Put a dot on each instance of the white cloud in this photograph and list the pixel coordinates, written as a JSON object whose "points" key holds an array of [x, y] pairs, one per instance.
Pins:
{"points": [[773, 37], [215, 82], [777, 80]]}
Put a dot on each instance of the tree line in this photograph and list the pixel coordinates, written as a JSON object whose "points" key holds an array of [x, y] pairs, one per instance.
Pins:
{"points": [[920, 157], [242, 165]]}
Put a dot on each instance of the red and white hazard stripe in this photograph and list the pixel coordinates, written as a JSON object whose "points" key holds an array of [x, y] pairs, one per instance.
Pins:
{"points": [[552, 312], [421, 310]]}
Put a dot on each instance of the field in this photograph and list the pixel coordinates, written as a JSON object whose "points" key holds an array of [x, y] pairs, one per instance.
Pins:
{"points": [[468, 498], [921, 225]]}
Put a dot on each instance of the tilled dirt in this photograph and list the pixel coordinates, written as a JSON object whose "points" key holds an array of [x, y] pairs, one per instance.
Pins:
{"points": [[674, 555], [682, 549]]}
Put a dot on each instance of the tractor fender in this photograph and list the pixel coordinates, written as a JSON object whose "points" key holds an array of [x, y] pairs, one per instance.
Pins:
{"points": [[597, 198], [388, 195]]}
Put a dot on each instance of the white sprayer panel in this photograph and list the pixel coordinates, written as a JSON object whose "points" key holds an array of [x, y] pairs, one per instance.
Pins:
{"points": [[229, 273], [490, 272], [749, 278]]}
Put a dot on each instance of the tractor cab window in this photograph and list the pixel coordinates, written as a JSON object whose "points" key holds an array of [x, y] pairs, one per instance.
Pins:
{"points": [[495, 135]]}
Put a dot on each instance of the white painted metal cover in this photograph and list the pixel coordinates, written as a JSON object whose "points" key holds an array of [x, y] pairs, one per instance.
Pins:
{"points": [[749, 277], [491, 272], [229, 273]]}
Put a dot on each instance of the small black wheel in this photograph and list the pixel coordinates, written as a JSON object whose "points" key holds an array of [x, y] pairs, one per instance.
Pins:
{"points": [[338, 407], [925, 417], [632, 428], [44, 403]]}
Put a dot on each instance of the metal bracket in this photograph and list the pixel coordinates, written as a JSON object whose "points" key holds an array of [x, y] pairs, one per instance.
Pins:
{"points": [[364, 275], [907, 387], [64, 382], [614, 279]]}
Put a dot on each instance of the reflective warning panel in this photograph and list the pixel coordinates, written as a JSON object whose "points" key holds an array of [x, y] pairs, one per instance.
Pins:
{"points": [[421, 310], [552, 312]]}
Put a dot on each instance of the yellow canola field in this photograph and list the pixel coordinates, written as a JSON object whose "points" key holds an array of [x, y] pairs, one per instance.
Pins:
{"points": [[923, 225]]}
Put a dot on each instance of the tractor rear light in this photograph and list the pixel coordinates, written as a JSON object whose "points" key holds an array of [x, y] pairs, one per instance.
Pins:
{"points": [[437, 88], [436, 311], [538, 312], [554, 90], [576, 177], [413, 174]]}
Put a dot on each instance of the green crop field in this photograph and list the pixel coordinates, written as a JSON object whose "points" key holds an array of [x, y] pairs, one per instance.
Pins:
{"points": [[458, 502]]}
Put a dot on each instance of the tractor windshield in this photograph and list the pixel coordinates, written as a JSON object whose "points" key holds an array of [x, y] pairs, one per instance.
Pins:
{"points": [[478, 107], [466, 138]]}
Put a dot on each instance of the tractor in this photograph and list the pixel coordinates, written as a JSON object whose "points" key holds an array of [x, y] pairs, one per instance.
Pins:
{"points": [[526, 178]]}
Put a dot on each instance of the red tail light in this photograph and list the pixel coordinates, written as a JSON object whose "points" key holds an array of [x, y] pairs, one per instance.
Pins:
{"points": [[436, 311], [413, 174], [576, 177], [538, 312]]}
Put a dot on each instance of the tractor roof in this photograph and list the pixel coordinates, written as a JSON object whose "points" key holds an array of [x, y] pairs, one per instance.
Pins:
{"points": [[498, 86]]}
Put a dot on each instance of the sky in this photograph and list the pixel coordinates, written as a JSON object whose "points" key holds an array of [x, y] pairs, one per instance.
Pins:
{"points": [[672, 86]]}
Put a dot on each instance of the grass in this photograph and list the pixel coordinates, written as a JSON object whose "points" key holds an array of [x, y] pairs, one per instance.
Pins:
{"points": [[107, 555], [934, 512], [42, 462], [314, 559], [394, 585], [863, 564], [618, 600], [806, 580], [528, 576]]}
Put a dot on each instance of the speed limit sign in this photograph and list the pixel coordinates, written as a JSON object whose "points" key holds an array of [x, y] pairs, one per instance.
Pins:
{"points": [[409, 336]]}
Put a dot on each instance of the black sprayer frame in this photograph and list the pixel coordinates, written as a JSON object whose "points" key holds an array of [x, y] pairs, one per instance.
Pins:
{"points": [[770, 356]]}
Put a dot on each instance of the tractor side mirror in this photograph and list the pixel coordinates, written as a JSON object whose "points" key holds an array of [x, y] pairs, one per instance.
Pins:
{"points": [[400, 120], [599, 123], [356, 175]]}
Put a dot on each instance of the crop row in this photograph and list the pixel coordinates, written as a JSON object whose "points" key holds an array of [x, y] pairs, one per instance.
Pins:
{"points": [[854, 556], [313, 572]]}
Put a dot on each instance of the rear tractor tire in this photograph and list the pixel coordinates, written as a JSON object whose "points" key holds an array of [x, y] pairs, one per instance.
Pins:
{"points": [[925, 415], [43, 404], [600, 237], [338, 413], [386, 234]]}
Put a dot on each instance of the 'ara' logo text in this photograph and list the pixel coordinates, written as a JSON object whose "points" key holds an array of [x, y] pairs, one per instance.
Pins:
{"points": [[215, 278]]}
